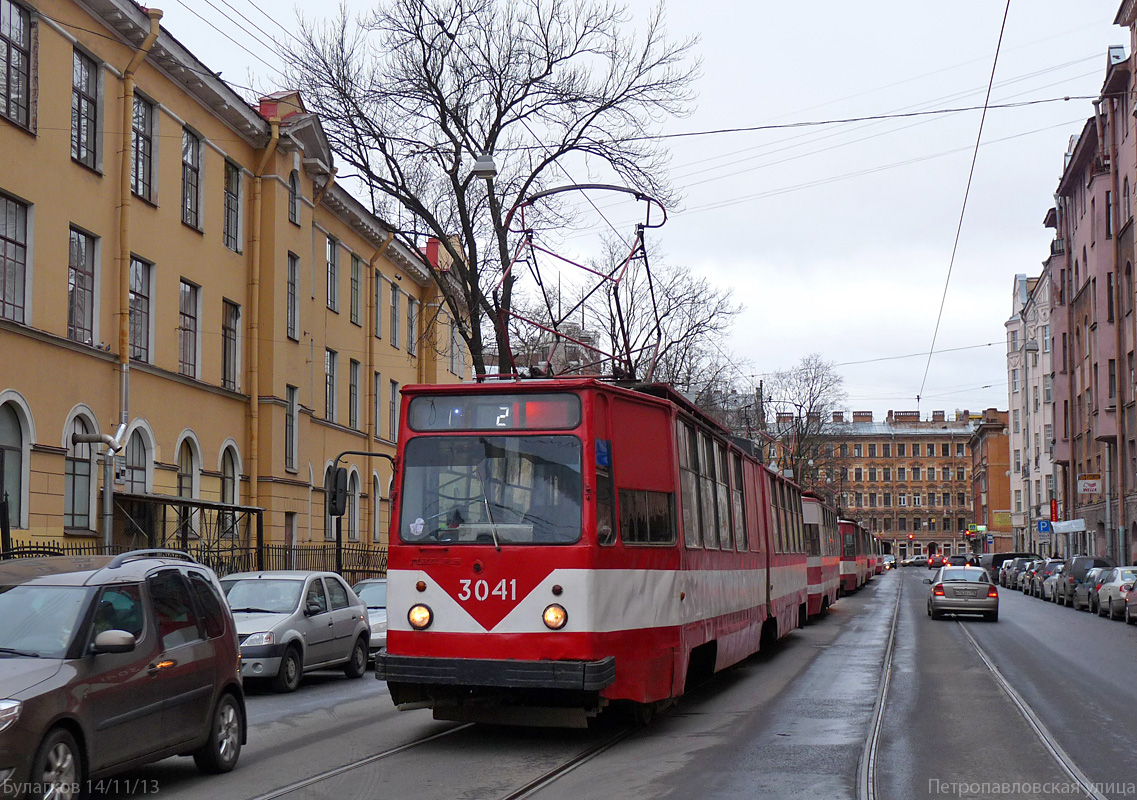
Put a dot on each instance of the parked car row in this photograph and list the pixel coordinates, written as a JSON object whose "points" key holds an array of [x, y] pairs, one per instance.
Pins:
{"points": [[90, 644], [1090, 583]]}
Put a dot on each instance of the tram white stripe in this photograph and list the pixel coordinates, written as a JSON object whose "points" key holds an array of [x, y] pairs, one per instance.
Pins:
{"points": [[602, 601]]}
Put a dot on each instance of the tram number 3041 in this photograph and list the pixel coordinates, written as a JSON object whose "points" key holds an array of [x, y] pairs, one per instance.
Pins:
{"points": [[480, 590]]}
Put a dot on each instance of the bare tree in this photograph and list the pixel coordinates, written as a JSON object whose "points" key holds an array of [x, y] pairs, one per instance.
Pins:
{"points": [[801, 401], [410, 93]]}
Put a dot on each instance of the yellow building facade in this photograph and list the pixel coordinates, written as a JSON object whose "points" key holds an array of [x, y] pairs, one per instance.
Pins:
{"points": [[181, 274]]}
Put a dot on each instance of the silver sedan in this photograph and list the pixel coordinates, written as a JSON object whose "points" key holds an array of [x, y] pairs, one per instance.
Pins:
{"points": [[962, 590]]}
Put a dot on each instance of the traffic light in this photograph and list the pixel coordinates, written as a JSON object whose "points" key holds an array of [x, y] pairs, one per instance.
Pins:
{"points": [[909, 537]]}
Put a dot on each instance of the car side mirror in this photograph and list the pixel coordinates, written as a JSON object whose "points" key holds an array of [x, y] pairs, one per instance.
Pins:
{"points": [[927, 580], [113, 642], [312, 609]]}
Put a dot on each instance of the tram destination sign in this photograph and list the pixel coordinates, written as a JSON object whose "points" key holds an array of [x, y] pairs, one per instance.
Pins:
{"points": [[494, 412]]}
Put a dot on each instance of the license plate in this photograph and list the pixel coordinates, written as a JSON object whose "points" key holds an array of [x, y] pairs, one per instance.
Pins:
{"points": [[965, 592]]}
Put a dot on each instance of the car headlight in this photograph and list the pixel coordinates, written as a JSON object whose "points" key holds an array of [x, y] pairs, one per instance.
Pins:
{"points": [[420, 617], [9, 712], [259, 639], [555, 617]]}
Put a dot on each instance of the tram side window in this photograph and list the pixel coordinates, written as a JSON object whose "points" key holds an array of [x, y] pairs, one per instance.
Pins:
{"points": [[812, 539], [739, 499], [783, 519], [707, 492], [689, 483], [799, 524], [647, 517], [850, 545], [605, 494], [722, 491]]}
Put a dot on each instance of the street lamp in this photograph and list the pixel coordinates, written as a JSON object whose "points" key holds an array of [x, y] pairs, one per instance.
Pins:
{"points": [[484, 167]]}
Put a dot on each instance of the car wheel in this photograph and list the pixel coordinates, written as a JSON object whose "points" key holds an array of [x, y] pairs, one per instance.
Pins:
{"points": [[1128, 619], [357, 664], [57, 769], [291, 670], [220, 752], [1112, 616], [992, 616]]}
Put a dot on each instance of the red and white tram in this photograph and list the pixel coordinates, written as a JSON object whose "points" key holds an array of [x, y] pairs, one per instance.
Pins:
{"points": [[855, 546], [823, 553], [558, 545]]}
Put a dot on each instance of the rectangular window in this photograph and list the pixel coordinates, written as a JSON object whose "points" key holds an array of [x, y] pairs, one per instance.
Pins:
{"points": [[1108, 214], [1047, 389], [931, 474], [872, 474], [915, 473], [888, 499], [394, 316], [902, 500], [959, 451], [900, 450], [945, 450], [738, 503], [856, 451], [915, 449], [356, 277], [393, 413], [1014, 380], [330, 385], [858, 474], [142, 149], [1108, 299], [140, 309], [13, 252], [412, 325], [959, 473], [886, 450], [332, 259], [1015, 425], [1112, 378], [647, 517], [1048, 432], [353, 394], [887, 474], [1018, 501], [378, 304], [872, 451], [917, 499], [15, 62], [84, 109], [232, 232], [187, 329], [291, 412], [293, 311], [901, 473], [191, 179], [377, 402], [230, 353], [81, 288]]}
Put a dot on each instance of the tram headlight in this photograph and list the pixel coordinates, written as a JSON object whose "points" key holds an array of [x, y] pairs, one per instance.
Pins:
{"points": [[420, 617], [555, 617]]}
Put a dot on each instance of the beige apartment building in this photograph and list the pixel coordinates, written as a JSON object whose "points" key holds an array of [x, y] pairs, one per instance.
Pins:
{"points": [[181, 274], [906, 479]]}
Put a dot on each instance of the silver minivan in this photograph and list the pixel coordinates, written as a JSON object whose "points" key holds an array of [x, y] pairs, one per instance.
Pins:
{"points": [[292, 621]]}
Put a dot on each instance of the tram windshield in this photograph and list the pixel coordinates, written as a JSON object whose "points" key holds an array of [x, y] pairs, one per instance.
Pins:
{"points": [[491, 489]]}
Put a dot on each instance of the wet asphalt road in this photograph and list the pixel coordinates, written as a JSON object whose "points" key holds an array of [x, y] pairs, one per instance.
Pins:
{"points": [[789, 723]]}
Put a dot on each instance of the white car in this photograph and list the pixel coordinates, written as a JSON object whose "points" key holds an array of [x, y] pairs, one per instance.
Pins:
{"points": [[1116, 584], [373, 592], [1051, 581], [889, 562]]}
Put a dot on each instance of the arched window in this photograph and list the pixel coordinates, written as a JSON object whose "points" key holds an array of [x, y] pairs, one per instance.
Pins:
{"points": [[294, 197], [228, 492], [353, 507], [77, 479], [137, 457], [187, 470], [1126, 207], [11, 462], [229, 478]]}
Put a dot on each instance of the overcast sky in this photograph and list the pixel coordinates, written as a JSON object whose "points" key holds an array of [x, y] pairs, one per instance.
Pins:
{"points": [[837, 239]]}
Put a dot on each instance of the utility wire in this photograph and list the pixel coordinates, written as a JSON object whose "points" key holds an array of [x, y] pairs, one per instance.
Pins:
{"points": [[227, 36], [270, 45], [963, 209], [915, 355]]}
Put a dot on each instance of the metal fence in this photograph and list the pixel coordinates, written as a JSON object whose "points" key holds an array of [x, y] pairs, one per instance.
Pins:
{"points": [[359, 561]]}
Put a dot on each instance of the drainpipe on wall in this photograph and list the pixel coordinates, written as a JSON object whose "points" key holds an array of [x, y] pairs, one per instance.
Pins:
{"points": [[1118, 309], [255, 315], [124, 212]]}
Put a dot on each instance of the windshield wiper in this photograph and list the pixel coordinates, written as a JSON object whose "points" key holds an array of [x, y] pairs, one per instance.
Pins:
{"points": [[493, 525], [11, 651], [254, 610]]}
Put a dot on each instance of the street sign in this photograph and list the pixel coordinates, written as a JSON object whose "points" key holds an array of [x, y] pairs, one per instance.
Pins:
{"points": [[990, 538], [1044, 526], [1089, 483], [1054, 510]]}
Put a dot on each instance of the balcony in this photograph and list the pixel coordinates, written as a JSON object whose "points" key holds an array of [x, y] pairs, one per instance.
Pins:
{"points": [[1058, 247]]}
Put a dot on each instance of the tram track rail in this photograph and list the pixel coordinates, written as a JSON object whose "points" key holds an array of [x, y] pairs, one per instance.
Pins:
{"points": [[866, 783], [525, 791]]}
